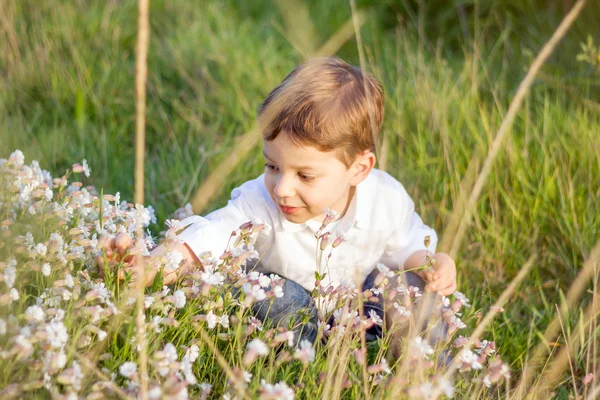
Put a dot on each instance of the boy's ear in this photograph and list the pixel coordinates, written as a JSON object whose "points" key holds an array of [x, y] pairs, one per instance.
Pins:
{"points": [[362, 166]]}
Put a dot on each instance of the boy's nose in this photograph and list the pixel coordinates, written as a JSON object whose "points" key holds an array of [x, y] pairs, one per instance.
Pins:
{"points": [[284, 188]]}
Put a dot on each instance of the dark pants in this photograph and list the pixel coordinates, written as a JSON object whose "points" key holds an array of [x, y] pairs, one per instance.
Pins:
{"points": [[297, 309]]}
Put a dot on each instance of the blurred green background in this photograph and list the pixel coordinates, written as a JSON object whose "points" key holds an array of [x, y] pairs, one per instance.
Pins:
{"points": [[449, 68]]}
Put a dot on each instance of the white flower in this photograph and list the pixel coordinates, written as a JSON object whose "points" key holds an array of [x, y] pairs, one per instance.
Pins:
{"points": [[77, 376], [402, 310], [420, 347], [211, 320], [154, 393], [446, 387], [179, 299], [462, 298], [17, 157], [174, 260], [148, 301], [70, 281], [34, 313], [46, 269], [193, 352], [86, 168], [279, 391], [384, 270], [186, 367], [259, 347], [57, 335], [376, 318], [211, 277], [14, 294], [128, 369], [305, 353], [278, 290], [10, 275], [470, 358], [41, 249], [224, 321], [2, 327]]}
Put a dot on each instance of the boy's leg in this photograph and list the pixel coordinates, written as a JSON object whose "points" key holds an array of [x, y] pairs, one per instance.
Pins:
{"points": [[421, 317], [290, 311]]}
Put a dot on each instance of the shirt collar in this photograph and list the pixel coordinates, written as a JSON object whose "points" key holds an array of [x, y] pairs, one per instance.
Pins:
{"points": [[357, 215]]}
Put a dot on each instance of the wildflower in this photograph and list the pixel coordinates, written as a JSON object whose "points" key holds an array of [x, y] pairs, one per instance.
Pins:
{"points": [[46, 269], [330, 216], [17, 157], [446, 386], [403, 311], [10, 273], [86, 169], [375, 318], [34, 313], [285, 336], [460, 341], [278, 291], [420, 347], [224, 321], [460, 300], [57, 335], [279, 391], [193, 352], [305, 353], [255, 349], [13, 294], [179, 299], [470, 360], [174, 259], [186, 367], [211, 277], [338, 240], [128, 369], [2, 327], [211, 320], [148, 301]]}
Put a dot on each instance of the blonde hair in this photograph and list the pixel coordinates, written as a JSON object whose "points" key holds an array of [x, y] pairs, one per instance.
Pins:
{"points": [[328, 104]]}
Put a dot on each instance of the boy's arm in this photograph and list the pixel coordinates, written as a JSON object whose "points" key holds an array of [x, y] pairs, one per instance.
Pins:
{"points": [[441, 279]]}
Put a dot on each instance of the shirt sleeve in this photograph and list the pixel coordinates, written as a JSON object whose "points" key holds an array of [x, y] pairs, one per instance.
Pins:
{"points": [[408, 236], [212, 232]]}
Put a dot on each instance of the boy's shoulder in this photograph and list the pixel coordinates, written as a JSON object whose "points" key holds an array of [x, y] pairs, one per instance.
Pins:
{"points": [[383, 185], [383, 201], [253, 191]]}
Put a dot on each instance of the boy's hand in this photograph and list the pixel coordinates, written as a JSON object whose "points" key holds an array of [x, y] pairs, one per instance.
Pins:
{"points": [[443, 279], [119, 248]]}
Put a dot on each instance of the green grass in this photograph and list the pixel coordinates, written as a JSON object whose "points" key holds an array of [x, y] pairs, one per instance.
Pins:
{"points": [[66, 93]]}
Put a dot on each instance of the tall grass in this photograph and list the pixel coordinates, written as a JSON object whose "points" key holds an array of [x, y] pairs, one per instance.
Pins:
{"points": [[67, 93]]}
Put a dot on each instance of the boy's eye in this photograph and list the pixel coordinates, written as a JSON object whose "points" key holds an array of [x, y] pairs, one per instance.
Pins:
{"points": [[270, 166], [306, 178]]}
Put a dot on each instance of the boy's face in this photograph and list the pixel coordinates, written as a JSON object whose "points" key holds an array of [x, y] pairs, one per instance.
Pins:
{"points": [[304, 181]]}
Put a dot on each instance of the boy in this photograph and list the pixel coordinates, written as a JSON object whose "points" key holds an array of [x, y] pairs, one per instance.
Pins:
{"points": [[319, 127]]}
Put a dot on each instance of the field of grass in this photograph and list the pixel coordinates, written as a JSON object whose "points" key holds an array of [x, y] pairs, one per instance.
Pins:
{"points": [[67, 93]]}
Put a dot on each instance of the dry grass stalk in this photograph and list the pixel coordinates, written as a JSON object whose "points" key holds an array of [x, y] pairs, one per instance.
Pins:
{"points": [[461, 218], [575, 291], [141, 73], [551, 377], [92, 367], [488, 319]]}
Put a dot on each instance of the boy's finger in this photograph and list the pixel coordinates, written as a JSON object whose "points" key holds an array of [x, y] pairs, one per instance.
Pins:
{"points": [[123, 241], [100, 262]]}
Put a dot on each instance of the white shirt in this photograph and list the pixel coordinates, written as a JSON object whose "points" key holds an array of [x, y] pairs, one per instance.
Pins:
{"points": [[380, 225]]}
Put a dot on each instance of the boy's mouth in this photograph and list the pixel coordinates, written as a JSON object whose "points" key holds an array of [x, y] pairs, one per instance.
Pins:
{"points": [[288, 210]]}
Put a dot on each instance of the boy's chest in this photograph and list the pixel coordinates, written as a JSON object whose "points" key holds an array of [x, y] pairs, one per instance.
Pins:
{"points": [[296, 256]]}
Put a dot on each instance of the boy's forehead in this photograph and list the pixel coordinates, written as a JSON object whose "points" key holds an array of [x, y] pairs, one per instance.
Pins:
{"points": [[306, 157]]}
